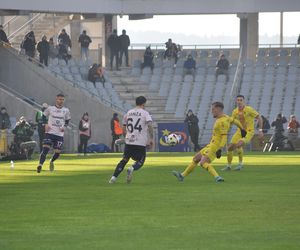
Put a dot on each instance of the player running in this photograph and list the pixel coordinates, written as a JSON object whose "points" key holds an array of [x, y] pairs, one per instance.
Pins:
{"points": [[214, 149], [137, 124], [246, 115], [58, 118]]}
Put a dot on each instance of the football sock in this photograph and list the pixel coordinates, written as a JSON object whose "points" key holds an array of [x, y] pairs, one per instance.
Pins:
{"points": [[240, 152], [229, 157], [55, 156], [43, 155], [137, 165], [210, 169], [120, 167], [189, 169]]}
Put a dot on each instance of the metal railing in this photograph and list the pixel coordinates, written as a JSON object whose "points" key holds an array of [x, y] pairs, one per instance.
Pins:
{"points": [[162, 46], [236, 81], [26, 26]]}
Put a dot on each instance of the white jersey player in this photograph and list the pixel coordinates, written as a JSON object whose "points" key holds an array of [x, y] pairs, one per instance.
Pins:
{"points": [[58, 118], [138, 132]]}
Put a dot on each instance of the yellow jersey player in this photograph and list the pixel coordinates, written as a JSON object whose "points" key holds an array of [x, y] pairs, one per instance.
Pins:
{"points": [[214, 148], [246, 115]]}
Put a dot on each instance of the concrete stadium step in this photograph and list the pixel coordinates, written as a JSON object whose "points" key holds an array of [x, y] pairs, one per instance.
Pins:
{"points": [[129, 87]]}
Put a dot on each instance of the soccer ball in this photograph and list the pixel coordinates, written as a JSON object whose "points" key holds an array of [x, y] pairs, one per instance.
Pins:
{"points": [[173, 139]]}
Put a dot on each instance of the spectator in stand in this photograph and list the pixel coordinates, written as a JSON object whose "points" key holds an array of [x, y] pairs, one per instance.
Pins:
{"points": [[4, 126], [96, 74], [171, 51], [43, 49], [148, 58], [222, 67], [63, 52], [189, 66], [193, 128], [53, 50], [29, 43], [116, 131], [84, 41], [65, 38], [113, 43], [265, 126], [23, 132], [3, 36], [41, 120], [124, 44], [292, 127], [84, 133]]}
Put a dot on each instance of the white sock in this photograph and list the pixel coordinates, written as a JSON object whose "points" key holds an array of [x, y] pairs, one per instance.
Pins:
{"points": [[131, 168]]}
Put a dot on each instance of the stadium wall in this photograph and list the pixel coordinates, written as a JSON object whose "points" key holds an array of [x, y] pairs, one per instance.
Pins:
{"points": [[35, 82]]}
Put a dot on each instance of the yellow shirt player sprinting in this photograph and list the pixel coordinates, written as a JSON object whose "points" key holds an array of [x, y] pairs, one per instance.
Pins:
{"points": [[218, 140], [246, 115]]}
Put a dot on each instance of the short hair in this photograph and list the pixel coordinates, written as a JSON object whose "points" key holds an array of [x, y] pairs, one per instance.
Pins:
{"points": [[218, 105], [60, 95], [140, 100], [240, 96]]}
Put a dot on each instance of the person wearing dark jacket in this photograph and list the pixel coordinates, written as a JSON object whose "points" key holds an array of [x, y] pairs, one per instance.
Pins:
{"points": [[84, 133], [41, 120], [171, 51], [189, 66], [84, 41], [23, 132], [43, 49], [222, 67], [193, 128], [116, 131], [29, 44], [113, 43], [65, 38], [95, 74], [63, 52], [3, 36], [124, 44], [148, 59]]}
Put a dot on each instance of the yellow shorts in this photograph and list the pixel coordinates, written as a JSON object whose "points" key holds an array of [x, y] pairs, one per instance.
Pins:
{"points": [[237, 137], [209, 151]]}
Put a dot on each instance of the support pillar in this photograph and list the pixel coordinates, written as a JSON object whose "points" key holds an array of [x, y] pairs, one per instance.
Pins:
{"points": [[249, 34], [75, 30], [281, 29]]}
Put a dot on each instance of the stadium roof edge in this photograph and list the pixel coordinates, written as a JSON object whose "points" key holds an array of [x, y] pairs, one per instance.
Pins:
{"points": [[158, 7]]}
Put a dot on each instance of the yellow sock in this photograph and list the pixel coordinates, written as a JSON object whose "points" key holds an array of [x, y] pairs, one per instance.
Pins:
{"points": [[229, 156], [210, 169], [189, 169], [240, 152]]}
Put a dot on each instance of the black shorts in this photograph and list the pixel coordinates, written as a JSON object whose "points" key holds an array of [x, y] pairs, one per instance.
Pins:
{"points": [[135, 152], [53, 140]]}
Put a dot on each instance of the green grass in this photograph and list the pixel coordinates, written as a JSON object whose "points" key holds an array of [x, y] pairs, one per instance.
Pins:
{"points": [[75, 207]]}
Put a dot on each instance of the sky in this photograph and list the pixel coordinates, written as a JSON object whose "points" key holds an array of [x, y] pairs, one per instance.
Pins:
{"points": [[208, 29]]}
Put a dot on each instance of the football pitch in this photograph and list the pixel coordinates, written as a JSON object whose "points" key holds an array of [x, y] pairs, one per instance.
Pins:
{"points": [[75, 207]]}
